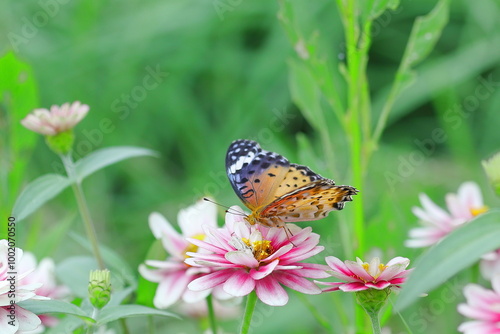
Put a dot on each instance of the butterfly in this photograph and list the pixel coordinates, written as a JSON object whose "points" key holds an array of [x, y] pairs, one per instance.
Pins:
{"points": [[277, 191]]}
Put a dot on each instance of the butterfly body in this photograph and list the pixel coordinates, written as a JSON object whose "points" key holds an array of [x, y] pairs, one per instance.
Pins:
{"points": [[277, 191]]}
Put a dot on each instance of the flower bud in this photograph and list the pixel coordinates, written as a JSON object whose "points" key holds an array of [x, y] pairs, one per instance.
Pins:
{"points": [[99, 288]]}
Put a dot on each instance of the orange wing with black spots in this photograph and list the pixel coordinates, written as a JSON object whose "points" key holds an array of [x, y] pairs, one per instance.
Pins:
{"points": [[277, 191]]}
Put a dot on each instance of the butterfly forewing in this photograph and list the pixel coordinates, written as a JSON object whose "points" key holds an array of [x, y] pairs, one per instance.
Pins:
{"points": [[295, 178], [254, 174]]}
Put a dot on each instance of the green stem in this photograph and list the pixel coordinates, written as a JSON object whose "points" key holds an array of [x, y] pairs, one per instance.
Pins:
{"points": [[354, 121], [249, 308], [211, 314], [375, 322], [83, 208]]}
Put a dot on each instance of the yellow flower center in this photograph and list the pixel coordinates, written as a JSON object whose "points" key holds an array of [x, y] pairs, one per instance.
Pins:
{"points": [[375, 272], [260, 249], [478, 211], [192, 247]]}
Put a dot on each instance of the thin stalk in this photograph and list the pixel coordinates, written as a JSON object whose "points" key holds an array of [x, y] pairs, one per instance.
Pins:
{"points": [[83, 208], [375, 322], [249, 308], [211, 314]]}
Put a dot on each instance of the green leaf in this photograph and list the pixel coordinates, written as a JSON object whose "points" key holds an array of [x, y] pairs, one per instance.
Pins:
{"points": [[460, 249], [440, 73], [18, 97], [375, 8], [54, 306], [37, 193], [113, 313], [74, 273], [424, 35], [66, 325], [107, 156]]}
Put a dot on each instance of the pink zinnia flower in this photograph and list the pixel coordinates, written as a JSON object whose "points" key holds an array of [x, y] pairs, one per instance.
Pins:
{"points": [[463, 206], [359, 275], [246, 258], [172, 274], [483, 306], [24, 320], [57, 120], [43, 273]]}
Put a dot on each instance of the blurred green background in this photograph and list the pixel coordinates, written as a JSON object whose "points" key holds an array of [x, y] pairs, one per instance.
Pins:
{"points": [[185, 78]]}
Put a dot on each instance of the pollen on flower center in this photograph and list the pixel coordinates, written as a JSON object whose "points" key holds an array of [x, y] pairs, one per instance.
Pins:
{"points": [[191, 247], [374, 271], [260, 248], [478, 211]]}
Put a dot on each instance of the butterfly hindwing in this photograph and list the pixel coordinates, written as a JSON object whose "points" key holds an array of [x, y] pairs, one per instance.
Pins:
{"points": [[254, 174], [311, 202]]}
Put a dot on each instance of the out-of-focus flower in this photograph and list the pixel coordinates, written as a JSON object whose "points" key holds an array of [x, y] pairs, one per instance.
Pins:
{"points": [[492, 169], [58, 119], [13, 318], [483, 306], [172, 274], [360, 276], [438, 223], [246, 258], [43, 273], [99, 288], [490, 264]]}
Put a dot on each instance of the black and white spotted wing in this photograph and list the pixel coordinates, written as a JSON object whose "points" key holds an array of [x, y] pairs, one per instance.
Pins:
{"points": [[255, 174]]}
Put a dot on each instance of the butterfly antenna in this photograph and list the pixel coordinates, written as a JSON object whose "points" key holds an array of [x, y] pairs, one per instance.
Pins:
{"points": [[288, 234], [228, 209]]}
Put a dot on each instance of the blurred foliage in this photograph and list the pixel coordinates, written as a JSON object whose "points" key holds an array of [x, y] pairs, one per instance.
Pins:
{"points": [[185, 78]]}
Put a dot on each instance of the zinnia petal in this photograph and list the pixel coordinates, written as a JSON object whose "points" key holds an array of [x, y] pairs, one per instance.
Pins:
{"points": [[270, 291], [240, 283]]}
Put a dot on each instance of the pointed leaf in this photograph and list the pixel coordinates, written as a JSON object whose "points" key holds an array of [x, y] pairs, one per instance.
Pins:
{"points": [[37, 193], [107, 156], [424, 35], [459, 250], [375, 8], [54, 306], [113, 313]]}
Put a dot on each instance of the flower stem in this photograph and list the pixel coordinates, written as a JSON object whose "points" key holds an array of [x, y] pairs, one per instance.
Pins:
{"points": [[211, 314], [249, 308], [83, 208], [375, 322]]}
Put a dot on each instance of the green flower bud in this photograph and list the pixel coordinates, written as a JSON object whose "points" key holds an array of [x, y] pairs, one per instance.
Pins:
{"points": [[99, 288], [61, 143], [492, 169]]}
